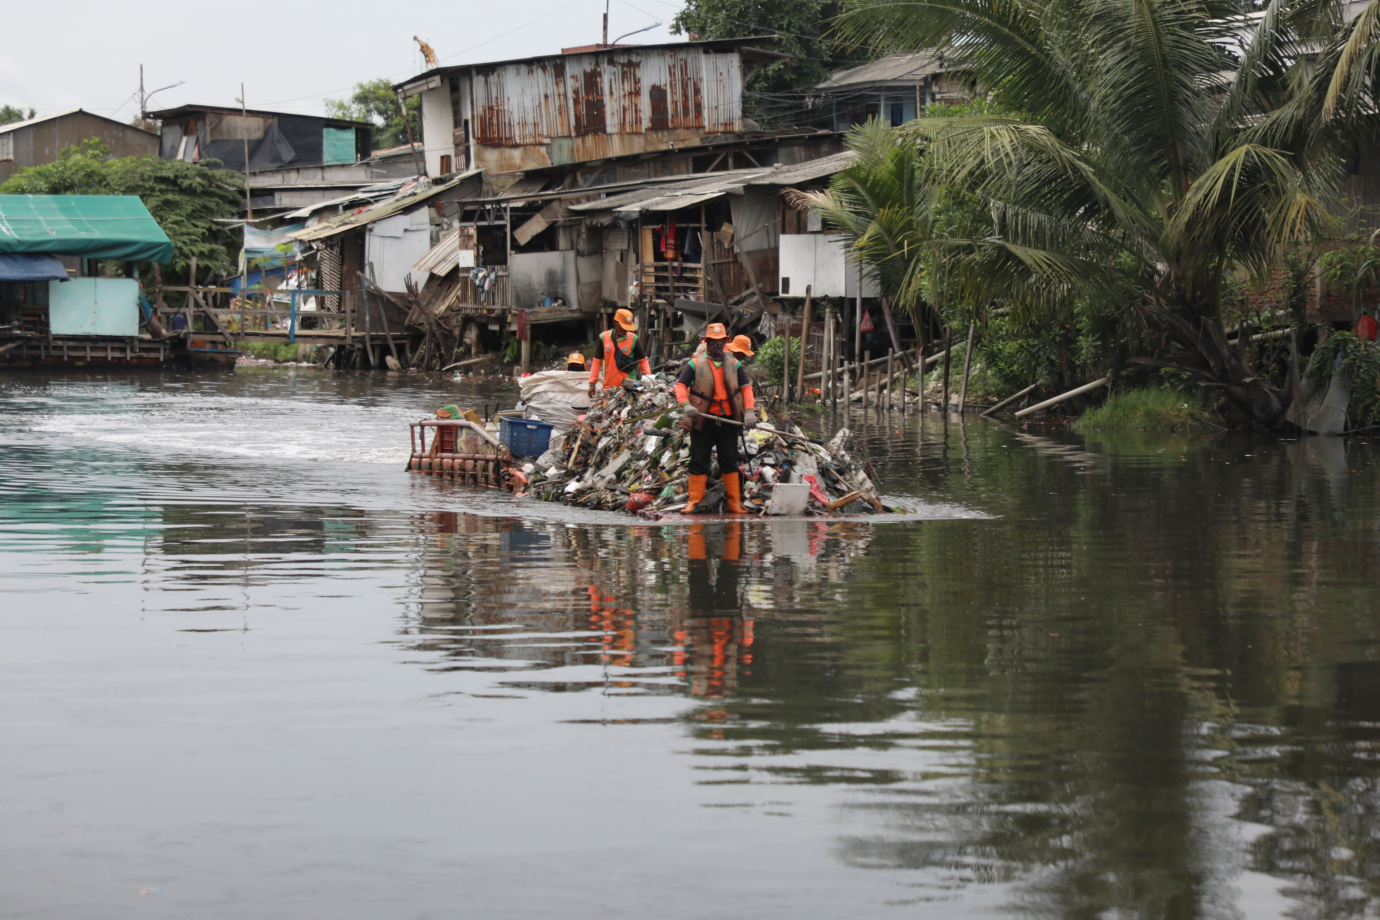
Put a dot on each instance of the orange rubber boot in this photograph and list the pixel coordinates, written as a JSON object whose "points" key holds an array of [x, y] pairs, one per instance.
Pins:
{"points": [[697, 484], [733, 486]]}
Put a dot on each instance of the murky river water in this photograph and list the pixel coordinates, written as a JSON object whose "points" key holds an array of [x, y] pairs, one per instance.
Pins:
{"points": [[249, 667]]}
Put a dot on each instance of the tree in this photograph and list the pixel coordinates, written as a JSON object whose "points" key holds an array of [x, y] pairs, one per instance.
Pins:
{"points": [[185, 198], [1150, 164], [375, 102], [780, 93], [9, 114]]}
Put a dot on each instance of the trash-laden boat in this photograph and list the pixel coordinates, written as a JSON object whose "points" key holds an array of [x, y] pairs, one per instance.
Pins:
{"points": [[629, 452]]}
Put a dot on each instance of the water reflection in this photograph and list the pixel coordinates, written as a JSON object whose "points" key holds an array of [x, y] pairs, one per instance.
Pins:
{"points": [[1145, 684]]}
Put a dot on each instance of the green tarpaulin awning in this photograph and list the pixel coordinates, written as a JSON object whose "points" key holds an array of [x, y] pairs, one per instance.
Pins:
{"points": [[90, 226]]}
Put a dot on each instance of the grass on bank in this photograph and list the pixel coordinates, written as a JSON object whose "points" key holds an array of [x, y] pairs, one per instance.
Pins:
{"points": [[1166, 411], [282, 352]]}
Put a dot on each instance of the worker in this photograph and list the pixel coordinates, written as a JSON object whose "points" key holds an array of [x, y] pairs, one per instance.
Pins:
{"points": [[741, 346], [715, 385], [618, 357], [576, 362]]}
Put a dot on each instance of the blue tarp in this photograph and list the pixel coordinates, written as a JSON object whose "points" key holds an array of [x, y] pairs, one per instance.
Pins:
{"points": [[257, 278], [31, 268]]}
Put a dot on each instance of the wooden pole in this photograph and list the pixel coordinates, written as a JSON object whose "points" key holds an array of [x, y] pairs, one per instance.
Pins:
{"points": [[1008, 401], [857, 318], [890, 380], [948, 342], [804, 345], [786, 368], [866, 383], [1085, 388], [967, 365]]}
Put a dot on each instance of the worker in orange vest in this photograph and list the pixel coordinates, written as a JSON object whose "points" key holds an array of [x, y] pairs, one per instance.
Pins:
{"points": [[620, 357], [741, 346], [714, 385], [576, 362]]}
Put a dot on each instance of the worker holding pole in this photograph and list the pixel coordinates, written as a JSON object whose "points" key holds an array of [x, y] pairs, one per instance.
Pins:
{"points": [[715, 393], [618, 358]]}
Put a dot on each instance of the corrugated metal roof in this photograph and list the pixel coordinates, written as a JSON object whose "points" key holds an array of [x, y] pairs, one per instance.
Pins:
{"points": [[808, 171], [17, 125], [444, 254], [894, 68], [671, 196], [690, 192], [363, 216], [94, 226]]}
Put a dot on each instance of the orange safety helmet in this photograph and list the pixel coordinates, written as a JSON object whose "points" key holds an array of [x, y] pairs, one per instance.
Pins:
{"points": [[742, 345], [716, 331], [576, 358], [625, 320]]}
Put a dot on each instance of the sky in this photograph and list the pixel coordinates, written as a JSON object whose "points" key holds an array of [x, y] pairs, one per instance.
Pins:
{"points": [[290, 56]]}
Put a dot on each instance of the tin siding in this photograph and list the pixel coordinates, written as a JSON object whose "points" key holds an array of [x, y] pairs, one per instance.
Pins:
{"points": [[591, 96]]}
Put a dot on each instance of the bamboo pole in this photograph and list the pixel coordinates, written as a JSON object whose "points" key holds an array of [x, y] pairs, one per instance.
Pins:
{"points": [[1064, 397], [786, 367], [866, 381], [967, 365], [1008, 401], [804, 345], [890, 380], [948, 343]]}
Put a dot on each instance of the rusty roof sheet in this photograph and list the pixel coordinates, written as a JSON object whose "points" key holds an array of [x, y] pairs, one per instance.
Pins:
{"points": [[690, 192], [367, 215], [676, 195], [808, 171]]}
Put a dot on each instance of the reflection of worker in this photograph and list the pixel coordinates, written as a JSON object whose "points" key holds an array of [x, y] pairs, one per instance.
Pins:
{"points": [[715, 385], [715, 638], [576, 362], [741, 346], [620, 357]]}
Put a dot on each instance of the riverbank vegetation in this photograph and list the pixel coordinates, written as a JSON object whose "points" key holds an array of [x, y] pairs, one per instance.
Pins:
{"points": [[1121, 189], [1159, 411]]}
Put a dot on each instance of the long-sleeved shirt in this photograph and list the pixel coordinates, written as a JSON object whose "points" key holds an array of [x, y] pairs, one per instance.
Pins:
{"points": [[720, 403], [612, 375]]}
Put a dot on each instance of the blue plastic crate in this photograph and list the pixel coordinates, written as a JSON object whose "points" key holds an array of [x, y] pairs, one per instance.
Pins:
{"points": [[525, 437]]}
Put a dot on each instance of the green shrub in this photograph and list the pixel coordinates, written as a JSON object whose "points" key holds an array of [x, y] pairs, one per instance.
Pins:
{"points": [[1361, 362], [769, 363], [271, 351], [1156, 410]]}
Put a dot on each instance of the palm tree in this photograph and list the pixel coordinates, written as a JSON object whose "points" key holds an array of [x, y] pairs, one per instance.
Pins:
{"points": [[1164, 148]]}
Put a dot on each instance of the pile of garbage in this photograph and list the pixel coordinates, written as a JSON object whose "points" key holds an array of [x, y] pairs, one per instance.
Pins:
{"points": [[628, 452]]}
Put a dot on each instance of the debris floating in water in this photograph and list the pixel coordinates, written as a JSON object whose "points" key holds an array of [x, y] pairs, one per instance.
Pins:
{"points": [[629, 453]]}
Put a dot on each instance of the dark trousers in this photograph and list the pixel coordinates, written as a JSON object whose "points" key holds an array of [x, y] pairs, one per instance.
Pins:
{"points": [[710, 436]]}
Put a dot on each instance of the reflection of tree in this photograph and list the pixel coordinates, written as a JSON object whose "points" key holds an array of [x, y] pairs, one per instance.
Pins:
{"points": [[1050, 698]]}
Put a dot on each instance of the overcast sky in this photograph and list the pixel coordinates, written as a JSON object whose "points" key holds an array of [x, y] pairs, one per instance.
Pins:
{"points": [[290, 56]]}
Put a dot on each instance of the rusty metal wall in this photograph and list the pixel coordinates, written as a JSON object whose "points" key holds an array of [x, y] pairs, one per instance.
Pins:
{"points": [[593, 95], [40, 144]]}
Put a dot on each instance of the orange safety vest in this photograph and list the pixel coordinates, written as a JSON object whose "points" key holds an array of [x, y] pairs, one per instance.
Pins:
{"points": [[613, 374], [705, 393]]}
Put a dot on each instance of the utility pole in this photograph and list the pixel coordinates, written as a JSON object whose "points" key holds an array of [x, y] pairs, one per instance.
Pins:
{"points": [[244, 113], [143, 109], [605, 42]]}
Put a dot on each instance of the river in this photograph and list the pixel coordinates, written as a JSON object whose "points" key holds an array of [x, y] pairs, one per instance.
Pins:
{"points": [[250, 667]]}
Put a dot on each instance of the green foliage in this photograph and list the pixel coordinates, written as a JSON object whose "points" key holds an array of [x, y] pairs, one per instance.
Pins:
{"points": [[1360, 361], [282, 352], [780, 94], [1167, 411], [769, 363], [1134, 179], [185, 198], [1352, 267], [374, 101], [9, 114]]}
